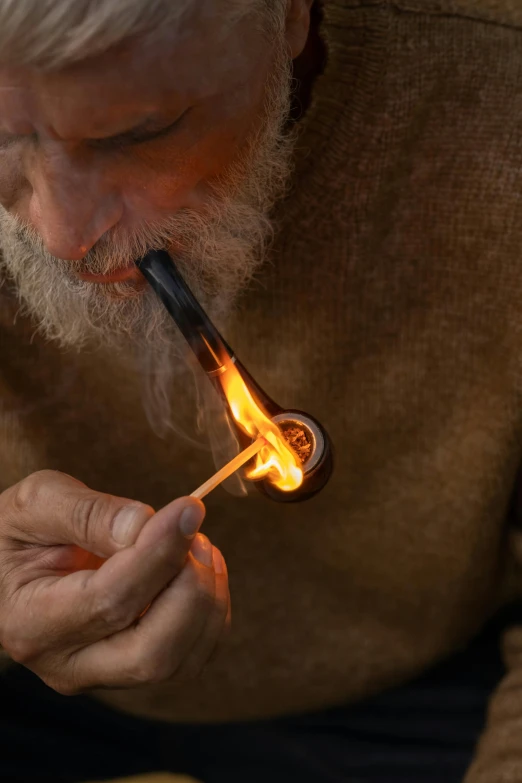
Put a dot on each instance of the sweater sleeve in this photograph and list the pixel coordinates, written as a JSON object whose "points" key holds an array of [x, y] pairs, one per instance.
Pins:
{"points": [[498, 756]]}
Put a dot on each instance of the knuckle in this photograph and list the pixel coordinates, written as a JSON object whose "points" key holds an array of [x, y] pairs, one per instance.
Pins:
{"points": [[21, 650], [148, 668], [111, 611], [151, 663], [27, 493]]}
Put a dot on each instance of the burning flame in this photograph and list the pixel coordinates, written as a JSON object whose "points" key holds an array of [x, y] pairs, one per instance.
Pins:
{"points": [[276, 461]]}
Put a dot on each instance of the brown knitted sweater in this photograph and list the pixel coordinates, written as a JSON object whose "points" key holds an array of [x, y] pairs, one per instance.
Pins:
{"points": [[393, 312]]}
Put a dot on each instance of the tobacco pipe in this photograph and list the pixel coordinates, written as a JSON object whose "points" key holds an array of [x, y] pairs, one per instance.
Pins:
{"points": [[213, 354]]}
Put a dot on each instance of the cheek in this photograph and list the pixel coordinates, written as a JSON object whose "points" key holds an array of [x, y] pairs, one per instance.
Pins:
{"points": [[180, 173], [166, 181]]}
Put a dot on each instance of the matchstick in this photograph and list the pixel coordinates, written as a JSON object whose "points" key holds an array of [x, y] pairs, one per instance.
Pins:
{"points": [[229, 468]]}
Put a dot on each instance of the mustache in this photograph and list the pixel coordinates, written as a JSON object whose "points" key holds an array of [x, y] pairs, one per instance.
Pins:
{"points": [[119, 246]]}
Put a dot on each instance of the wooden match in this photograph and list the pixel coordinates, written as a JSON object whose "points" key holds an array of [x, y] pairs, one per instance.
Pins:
{"points": [[230, 468]]}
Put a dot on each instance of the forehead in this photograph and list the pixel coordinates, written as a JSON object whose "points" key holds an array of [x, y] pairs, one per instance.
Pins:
{"points": [[205, 55]]}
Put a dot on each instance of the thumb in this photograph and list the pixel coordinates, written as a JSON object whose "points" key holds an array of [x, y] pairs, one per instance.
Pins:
{"points": [[172, 530], [50, 508]]}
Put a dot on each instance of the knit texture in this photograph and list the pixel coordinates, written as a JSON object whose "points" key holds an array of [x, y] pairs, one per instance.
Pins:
{"points": [[391, 310]]}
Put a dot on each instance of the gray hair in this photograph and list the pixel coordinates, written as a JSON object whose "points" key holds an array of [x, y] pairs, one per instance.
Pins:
{"points": [[55, 33]]}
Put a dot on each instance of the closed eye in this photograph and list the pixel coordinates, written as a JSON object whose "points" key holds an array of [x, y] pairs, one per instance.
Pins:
{"points": [[147, 132]]}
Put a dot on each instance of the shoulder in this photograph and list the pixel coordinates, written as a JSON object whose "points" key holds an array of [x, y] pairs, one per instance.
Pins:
{"points": [[428, 108]]}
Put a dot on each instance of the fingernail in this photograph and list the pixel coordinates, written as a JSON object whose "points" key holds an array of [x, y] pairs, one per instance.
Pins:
{"points": [[219, 561], [202, 550], [128, 523], [191, 519]]}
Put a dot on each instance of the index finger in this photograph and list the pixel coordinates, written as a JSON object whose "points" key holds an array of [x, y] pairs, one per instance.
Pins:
{"points": [[50, 508]]}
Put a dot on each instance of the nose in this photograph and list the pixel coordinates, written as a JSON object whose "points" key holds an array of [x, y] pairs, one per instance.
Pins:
{"points": [[72, 204]]}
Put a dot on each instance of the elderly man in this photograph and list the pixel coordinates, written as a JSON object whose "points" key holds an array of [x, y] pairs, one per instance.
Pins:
{"points": [[376, 144]]}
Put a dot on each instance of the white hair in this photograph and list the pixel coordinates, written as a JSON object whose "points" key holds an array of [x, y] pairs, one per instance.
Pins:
{"points": [[55, 33]]}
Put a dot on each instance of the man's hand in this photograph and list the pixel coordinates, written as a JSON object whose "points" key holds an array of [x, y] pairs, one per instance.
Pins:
{"points": [[99, 591]]}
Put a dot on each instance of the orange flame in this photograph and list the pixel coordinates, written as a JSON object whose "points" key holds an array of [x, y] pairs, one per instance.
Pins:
{"points": [[276, 461]]}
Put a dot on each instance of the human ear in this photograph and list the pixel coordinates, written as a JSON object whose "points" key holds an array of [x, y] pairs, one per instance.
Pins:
{"points": [[297, 25]]}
